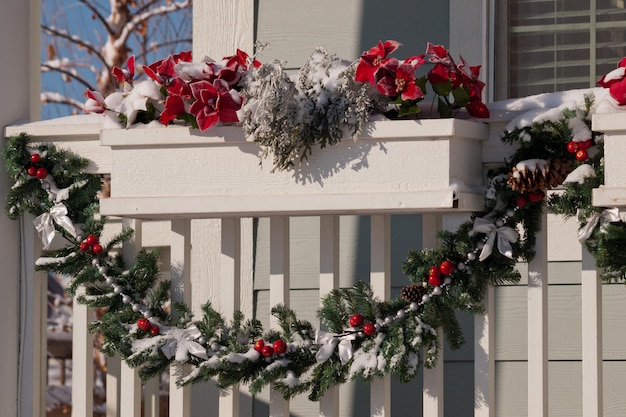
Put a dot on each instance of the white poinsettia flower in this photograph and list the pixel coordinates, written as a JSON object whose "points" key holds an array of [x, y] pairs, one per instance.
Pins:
{"points": [[137, 99]]}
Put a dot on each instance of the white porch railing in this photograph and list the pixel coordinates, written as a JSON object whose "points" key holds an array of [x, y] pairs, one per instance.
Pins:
{"points": [[209, 249]]}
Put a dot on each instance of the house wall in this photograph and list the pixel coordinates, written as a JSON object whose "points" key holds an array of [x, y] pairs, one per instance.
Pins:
{"points": [[19, 66]]}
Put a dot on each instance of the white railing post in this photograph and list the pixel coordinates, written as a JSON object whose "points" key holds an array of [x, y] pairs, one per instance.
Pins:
{"points": [[591, 289], [432, 397], [130, 383], [329, 280], [380, 281], [484, 359], [230, 290], [152, 397], [538, 325], [82, 359], [180, 276], [279, 292]]}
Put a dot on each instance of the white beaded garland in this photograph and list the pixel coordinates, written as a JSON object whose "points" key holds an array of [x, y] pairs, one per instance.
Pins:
{"points": [[510, 212], [388, 321], [202, 340], [499, 222], [471, 256], [425, 298], [110, 280], [460, 266], [136, 308], [437, 291], [147, 314], [126, 299], [117, 289], [400, 314], [413, 306], [447, 280], [102, 270]]}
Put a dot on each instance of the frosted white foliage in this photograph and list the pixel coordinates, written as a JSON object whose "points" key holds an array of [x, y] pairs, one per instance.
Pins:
{"points": [[291, 380], [250, 355], [368, 360]]}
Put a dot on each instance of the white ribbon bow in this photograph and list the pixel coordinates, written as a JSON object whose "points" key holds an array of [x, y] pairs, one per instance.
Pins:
{"points": [[604, 218], [182, 347], [44, 224], [503, 236], [329, 341]]}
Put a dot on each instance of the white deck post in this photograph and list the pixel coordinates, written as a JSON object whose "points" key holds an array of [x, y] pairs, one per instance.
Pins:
{"points": [[380, 281], [432, 397], [329, 280], [180, 266], [82, 353], [130, 383], [538, 326], [230, 289], [592, 337], [484, 359], [279, 292]]}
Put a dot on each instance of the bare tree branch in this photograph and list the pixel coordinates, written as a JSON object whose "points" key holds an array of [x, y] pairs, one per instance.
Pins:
{"points": [[75, 40], [48, 97], [51, 68], [98, 15], [140, 18]]}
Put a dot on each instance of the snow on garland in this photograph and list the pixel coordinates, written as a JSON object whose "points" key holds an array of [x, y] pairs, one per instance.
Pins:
{"points": [[365, 337]]}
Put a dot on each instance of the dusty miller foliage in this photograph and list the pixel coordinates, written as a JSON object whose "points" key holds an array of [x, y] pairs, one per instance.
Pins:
{"points": [[290, 114]]}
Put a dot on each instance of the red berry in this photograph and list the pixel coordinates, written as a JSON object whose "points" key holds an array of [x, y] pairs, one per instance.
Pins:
{"points": [[572, 146], [155, 330], [84, 246], [280, 347], [144, 324], [585, 144], [536, 196], [356, 320], [32, 171], [446, 267], [267, 351], [42, 173], [258, 345], [97, 249], [434, 281], [521, 201], [434, 271], [35, 158], [369, 329], [582, 155], [92, 240]]}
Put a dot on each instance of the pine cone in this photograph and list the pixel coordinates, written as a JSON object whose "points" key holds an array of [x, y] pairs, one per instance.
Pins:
{"points": [[544, 176], [413, 293]]}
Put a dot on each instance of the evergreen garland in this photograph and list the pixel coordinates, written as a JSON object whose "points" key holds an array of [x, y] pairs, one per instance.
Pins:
{"points": [[364, 338]]}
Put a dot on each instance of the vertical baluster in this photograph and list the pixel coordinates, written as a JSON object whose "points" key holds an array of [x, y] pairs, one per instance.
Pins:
{"points": [[432, 397], [592, 337], [114, 374], [151, 397], [538, 326], [180, 275], [279, 292], [484, 359], [380, 281], [82, 359], [130, 383], [329, 280], [230, 289]]}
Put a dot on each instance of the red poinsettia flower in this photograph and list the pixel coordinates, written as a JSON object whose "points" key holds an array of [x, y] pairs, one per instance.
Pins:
{"points": [[371, 60], [394, 78], [174, 106], [615, 81], [469, 76], [163, 70], [214, 102], [95, 102], [242, 60], [438, 54], [477, 108], [180, 88], [126, 74]]}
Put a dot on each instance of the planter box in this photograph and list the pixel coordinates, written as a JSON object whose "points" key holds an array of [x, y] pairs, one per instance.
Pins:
{"points": [[396, 167], [613, 192]]}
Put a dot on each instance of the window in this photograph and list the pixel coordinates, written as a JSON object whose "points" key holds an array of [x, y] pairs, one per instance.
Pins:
{"points": [[555, 45]]}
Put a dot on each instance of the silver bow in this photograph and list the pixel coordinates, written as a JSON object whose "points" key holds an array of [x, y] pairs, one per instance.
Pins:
{"points": [[44, 224], [329, 341], [503, 236], [604, 218], [182, 346]]}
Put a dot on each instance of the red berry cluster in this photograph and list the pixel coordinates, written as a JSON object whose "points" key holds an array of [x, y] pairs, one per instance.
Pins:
{"points": [[145, 325], [579, 149], [279, 347], [35, 170], [533, 197], [358, 320], [435, 272], [91, 244]]}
